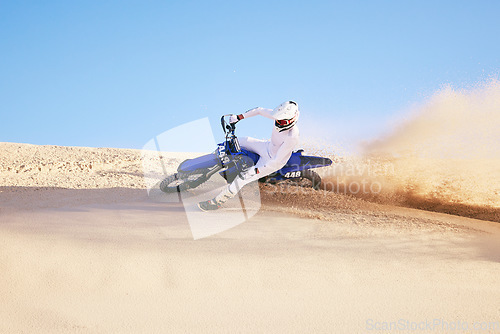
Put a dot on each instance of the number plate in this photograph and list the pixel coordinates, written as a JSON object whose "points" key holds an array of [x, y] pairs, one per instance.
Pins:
{"points": [[293, 174], [221, 153]]}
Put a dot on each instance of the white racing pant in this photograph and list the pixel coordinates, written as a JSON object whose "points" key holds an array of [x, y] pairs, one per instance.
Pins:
{"points": [[265, 165]]}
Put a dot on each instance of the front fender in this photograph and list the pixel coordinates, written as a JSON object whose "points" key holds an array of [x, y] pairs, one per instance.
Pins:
{"points": [[205, 161]]}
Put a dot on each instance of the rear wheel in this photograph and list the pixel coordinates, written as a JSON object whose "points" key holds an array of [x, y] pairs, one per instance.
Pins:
{"points": [[313, 178], [309, 179]]}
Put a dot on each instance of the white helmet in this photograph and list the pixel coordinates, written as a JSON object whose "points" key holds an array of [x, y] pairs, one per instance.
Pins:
{"points": [[286, 115]]}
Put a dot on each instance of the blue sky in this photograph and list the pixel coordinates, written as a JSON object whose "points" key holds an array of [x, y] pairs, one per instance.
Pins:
{"points": [[117, 73]]}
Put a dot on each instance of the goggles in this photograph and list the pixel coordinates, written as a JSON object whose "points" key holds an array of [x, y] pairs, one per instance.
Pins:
{"points": [[281, 123]]}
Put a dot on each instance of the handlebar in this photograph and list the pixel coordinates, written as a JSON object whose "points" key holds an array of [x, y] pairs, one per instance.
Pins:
{"points": [[227, 127], [231, 141]]}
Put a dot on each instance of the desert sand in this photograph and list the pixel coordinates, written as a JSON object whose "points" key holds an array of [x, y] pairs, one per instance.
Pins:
{"points": [[84, 249]]}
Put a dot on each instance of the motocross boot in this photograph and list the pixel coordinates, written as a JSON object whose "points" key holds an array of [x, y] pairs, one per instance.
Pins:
{"points": [[209, 205], [216, 203]]}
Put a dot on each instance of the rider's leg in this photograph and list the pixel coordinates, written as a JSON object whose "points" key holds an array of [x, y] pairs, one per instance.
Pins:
{"points": [[253, 174], [255, 145], [261, 148], [239, 182]]}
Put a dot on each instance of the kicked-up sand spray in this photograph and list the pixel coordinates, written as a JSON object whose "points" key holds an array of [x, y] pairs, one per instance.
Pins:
{"points": [[444, 156]]}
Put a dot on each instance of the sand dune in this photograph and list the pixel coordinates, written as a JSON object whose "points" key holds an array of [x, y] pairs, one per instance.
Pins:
{"points": [[84, 249]]}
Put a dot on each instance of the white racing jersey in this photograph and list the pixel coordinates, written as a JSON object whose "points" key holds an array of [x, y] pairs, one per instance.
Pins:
{"points": [[282, 143]]}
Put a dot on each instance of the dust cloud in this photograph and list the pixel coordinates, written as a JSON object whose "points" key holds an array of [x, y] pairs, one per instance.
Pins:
{"points": [[444, 156]]}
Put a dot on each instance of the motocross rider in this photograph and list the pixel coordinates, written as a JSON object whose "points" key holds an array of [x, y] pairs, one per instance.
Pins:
{"points": [[274, 153]]}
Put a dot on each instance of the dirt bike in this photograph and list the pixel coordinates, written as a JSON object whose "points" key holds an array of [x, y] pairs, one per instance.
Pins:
{"points": [[229, 160]]}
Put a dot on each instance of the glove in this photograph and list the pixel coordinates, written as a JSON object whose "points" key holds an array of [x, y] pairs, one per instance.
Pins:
{"points": [[233, 119]]}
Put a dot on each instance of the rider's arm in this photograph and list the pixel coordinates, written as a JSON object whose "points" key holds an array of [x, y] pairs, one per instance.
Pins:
{"points": [[257, 111]]}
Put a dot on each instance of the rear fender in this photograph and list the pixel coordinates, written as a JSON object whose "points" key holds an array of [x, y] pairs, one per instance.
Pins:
{"points": [[299, 162]]}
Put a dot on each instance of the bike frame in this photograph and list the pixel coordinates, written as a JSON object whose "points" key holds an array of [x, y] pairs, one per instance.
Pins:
{"points": [[230, 159]]}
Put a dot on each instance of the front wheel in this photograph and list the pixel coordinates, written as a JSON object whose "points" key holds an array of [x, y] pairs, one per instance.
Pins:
{"points": [[182, 181]]}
